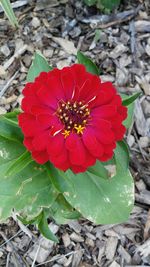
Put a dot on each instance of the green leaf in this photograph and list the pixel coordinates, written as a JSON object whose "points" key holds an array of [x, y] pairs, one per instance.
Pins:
{"points": [[12, 115], [99, 200], [6, 5], [9, 128], [130, 99], [128, 122], [90, 2], [90, 66], [33, 221], [20, 163], [97, 36], [38, 65], [108, 5], [56, 177], [26, 191], [44, 228], [62, 211], [122, 156], [99, 170]]}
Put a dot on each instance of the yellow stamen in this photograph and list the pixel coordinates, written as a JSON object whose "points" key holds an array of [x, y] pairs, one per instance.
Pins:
{"points": [[79, 129], [87, 113], [66, 133]]}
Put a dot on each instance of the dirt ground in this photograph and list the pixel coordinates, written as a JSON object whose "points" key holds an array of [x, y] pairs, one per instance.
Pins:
{"points": [[120, 46]]}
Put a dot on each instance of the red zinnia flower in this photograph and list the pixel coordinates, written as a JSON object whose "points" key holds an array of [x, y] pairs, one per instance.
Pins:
{"points": [[71, 118]]}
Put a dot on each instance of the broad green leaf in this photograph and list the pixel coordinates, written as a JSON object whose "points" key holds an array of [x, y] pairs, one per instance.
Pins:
{"points": [[44, 228], [90, 66], [9, 151], [6, 5], [20, 163], [99, 200], [9, 129], [122, 155], [99, 170], [38, 65], [128, 122], [56, 177], [27, 191]]}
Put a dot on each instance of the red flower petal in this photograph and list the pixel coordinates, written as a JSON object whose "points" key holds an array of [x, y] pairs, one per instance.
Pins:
{"points": [[90, 88], [123, 112], [42, 78], [106, 157], [55, 145], [71, 141], [107, 111], [78, 169], [45, 119], [40, 141], [77, 156], [68, 83], [29, 125], [29, 89], [105, 95], [79, 73], [61, 160], [40, 157], [47, 97], [28, 143], [41, 109], [28, 102], [92, 144]]}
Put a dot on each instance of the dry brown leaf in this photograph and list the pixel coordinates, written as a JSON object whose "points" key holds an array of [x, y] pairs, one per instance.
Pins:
{"points": [[147, 227], [67, 45]]}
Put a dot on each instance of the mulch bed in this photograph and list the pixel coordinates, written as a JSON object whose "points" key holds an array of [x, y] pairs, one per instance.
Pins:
{"points": [[120, 46]]}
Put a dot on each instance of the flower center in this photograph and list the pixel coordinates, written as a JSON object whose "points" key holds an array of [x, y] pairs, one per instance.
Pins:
{"points": [[74, 116]]}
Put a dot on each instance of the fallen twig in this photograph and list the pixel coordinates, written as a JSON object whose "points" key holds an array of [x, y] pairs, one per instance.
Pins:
{"points": [[105, 21], [132, 40], [59, 257], [15, 252], [33, 264], [8, 83], [16, 55], [23, 227], [16, 4]]}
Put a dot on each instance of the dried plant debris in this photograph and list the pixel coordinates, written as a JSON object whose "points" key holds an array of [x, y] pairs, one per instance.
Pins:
{"points": [[120, 45]]}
